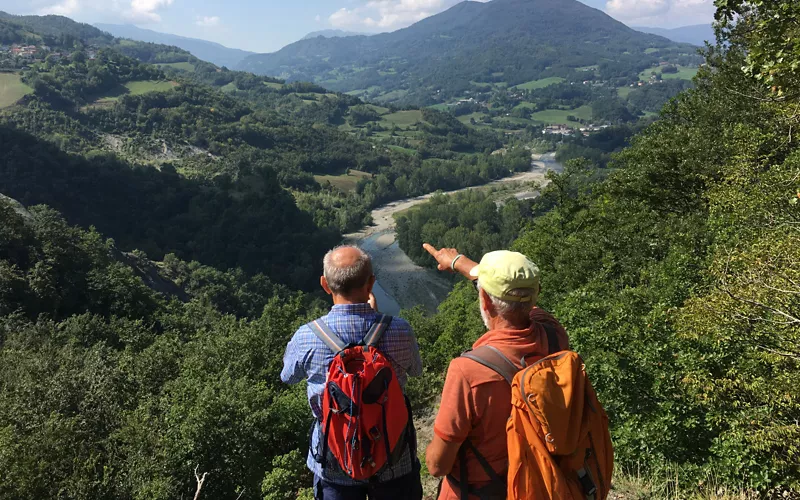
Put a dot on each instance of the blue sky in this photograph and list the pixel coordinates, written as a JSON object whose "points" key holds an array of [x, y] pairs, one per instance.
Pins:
{"points": [[267, 25]]}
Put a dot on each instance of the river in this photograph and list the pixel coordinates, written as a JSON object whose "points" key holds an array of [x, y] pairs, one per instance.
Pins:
{"points": [[401, 283]]}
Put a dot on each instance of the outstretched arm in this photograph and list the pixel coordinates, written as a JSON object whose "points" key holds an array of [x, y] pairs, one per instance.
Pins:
{"points": [[445, 257]]}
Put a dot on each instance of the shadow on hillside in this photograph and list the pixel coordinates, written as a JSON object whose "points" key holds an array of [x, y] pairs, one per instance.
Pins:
{"points": [[161, 212]]}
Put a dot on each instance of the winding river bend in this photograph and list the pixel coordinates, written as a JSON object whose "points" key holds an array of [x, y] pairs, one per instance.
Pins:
{"points": [[401, 283]]}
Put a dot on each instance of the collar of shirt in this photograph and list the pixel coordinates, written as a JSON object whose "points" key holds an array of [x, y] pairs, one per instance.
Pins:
{"points": [[358, 309]]}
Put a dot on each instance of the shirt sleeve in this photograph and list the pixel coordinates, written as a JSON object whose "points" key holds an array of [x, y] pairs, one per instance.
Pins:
{"points": [[457, 410], [294, 369]]}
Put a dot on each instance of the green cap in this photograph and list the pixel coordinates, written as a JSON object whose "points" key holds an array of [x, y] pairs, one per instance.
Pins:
{"points": [[502, 271]]}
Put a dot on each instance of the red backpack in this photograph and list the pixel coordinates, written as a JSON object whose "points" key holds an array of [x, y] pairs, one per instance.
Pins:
{"points": [[365, 417]]}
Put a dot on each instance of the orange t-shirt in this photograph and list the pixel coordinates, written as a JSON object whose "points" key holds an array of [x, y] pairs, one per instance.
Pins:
{"points": [[476, 400]]}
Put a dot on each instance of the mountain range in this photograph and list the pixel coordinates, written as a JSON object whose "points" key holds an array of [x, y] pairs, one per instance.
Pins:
{"points": [[696, 34], [332, 34], [202, 49], [509, 41]]}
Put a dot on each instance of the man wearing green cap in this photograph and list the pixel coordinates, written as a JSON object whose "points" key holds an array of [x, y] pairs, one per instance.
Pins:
{"points": [[469, 443]]}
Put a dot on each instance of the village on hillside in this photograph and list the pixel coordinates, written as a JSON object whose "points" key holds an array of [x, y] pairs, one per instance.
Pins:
{"points": [[16, 56]]}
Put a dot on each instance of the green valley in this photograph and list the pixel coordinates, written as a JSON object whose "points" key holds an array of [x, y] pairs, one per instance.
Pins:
{"points": [[164, 216]]}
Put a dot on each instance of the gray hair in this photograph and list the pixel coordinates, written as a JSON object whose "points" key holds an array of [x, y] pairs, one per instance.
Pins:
{"points": [[509, 309], [342, 280]]}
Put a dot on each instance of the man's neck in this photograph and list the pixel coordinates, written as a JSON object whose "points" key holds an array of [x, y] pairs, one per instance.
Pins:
{"points": [[340, 300], [499, 323]]}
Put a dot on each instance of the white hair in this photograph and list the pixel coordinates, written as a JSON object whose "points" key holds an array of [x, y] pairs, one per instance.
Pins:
{"points": [[342, 280], [511, 309]]}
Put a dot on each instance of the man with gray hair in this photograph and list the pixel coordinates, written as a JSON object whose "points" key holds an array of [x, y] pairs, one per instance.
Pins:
{"points": [[469, 442], [348, 278]]}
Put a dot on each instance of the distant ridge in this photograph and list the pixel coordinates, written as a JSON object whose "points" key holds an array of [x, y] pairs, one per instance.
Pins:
{"points": [[333, 34], [696, 34], [501, 41], [202, 49]]}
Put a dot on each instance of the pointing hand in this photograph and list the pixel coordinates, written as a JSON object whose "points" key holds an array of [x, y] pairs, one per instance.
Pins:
{"points": [[444, 257]]}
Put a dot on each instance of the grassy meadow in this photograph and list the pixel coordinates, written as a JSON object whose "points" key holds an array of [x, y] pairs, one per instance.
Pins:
{"points": [[539, 84], [684, 73], [12, 89], [559, 116], [345, 182]]}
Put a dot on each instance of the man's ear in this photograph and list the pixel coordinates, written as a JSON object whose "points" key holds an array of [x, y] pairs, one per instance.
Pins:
{"points": [[324, 284], [486, 302], [371, 283]]}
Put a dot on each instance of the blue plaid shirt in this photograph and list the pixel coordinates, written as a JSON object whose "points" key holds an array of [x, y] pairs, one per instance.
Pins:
{"points": [[307, 357]]}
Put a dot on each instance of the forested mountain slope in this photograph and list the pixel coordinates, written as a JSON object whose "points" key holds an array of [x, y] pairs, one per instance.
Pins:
{"points": [[676, 271], [697, 34], [219, 166], [109, 389], [202, 49], [510, 41], [677, 277], [332, 34]]}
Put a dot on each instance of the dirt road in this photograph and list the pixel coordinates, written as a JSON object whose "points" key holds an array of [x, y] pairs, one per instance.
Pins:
{"points": [[403, 284]]}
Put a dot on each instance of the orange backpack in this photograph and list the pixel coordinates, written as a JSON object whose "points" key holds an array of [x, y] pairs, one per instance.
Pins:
{"points": [[559, 445]]}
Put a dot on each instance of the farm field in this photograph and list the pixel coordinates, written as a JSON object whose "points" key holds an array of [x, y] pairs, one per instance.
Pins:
{"points": [[144, 86], [684, 73], [539, 84], [465, 118], [440, 107], [12, 89], [624, 91], [137, 87], [559, 116], [402, 119], [344, 182]]}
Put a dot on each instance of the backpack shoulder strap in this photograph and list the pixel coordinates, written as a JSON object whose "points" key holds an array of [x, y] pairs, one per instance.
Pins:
{"points": [[325, 334], [376, 331], [492, 358], [552, 337]]}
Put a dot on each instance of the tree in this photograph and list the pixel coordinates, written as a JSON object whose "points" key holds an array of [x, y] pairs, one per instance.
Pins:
{"points": [[768, 30]]}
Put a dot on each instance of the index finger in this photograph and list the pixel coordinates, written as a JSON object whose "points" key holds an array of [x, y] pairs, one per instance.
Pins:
{"points": [[430, 249]]}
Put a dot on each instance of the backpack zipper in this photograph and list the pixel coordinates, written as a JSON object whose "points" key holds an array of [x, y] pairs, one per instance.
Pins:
{"points": [[525, 395]]}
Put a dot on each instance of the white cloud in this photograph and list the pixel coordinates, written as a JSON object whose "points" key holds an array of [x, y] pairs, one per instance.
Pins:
{"points": [[634, 9], [388, 14], [64, 8], [145, 11], [207, 21], [134, 11], [661, 12]]}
